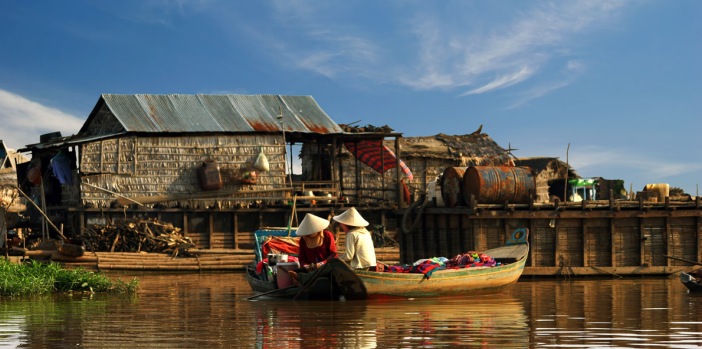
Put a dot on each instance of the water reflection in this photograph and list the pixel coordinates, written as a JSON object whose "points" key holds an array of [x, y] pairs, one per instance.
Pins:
{"points": [[487, 322], [211, 310]]}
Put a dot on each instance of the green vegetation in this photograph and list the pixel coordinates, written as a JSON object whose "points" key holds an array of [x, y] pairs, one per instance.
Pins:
{"points": [[35, 278]]}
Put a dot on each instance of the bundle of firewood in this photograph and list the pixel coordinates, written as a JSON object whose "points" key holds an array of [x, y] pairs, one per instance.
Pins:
{"points": [[135, 235], [367, 128]]}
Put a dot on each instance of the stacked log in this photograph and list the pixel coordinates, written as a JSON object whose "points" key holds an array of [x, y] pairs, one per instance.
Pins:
{"points": [[136, 235]]}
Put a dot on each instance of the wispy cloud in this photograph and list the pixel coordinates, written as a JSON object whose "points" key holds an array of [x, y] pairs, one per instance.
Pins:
{"points": [[503, 81], [450, 51], [635, 166], [23, 120], [572, 70], [523, 44]]}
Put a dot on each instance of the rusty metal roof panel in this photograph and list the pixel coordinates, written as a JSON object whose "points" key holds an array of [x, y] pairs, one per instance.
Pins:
{"points": [[219, 113], [223, 110], [306, 110], [254, 111]]}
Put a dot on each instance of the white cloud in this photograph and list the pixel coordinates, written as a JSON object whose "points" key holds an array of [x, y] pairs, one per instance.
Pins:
{"points": [[23, 121]]}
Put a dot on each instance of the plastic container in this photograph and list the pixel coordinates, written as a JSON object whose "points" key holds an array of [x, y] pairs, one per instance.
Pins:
{"points": [[283, 278], [209, 175]]}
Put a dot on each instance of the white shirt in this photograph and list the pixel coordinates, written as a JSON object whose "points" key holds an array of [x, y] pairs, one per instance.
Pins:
{"points": [[359, 252]]}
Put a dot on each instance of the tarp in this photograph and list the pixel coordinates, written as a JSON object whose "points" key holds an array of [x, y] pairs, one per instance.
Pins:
{"points": [[377, 155]]}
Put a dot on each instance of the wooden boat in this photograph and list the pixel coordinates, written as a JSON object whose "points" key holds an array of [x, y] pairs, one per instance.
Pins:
{"points": [[357, 284], [692, 283], [335, 280], [71, 248], [452, 282]]}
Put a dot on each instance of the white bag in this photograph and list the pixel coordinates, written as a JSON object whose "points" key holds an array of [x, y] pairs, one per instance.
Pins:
{"points": [[261, 163]]}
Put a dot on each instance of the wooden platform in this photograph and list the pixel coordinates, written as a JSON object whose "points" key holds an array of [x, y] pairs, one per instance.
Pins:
{"points": [[201, 261]]}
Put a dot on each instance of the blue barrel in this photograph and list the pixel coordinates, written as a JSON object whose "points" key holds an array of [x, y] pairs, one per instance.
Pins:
{"points": [[499, 184]]}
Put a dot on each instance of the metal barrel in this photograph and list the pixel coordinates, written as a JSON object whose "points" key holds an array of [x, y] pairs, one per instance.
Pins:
{"points": [[499, 184], [452, 186]]}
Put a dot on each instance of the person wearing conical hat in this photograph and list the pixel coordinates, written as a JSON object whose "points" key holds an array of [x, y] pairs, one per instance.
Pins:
{"points": [[359, 252], [317, 244]]}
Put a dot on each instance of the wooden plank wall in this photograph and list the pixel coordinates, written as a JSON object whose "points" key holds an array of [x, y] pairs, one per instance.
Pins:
{"points": [[570, 246]]}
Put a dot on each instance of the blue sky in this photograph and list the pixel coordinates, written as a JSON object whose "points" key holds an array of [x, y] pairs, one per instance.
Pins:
{"points": [[620, 81]]}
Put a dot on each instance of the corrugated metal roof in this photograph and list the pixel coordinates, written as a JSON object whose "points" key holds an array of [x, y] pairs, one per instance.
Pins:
{"points": [[218, 113]]}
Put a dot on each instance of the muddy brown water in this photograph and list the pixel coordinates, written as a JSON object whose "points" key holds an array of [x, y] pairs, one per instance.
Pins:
{"points": [[212, 311]]}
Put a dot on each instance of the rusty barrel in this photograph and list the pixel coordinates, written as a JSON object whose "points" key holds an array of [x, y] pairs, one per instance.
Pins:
{"points": [[499, 184], [452, 186]]}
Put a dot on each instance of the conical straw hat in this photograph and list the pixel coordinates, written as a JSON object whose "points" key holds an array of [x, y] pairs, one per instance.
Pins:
{"points": [[351, 217], [311, 224]]}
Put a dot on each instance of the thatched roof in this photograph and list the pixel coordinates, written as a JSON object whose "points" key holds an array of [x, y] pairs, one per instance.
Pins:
{"points": [[540, 164], [475, 148]]}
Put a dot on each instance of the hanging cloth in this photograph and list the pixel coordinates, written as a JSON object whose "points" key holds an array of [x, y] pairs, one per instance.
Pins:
{"points": [[61, 166], [378, 156]]}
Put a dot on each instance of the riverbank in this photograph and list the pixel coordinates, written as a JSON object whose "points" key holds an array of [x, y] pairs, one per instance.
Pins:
{"points": [[36, 278]]}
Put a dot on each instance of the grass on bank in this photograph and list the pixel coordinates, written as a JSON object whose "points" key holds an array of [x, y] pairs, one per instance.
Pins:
{"points": [[36, 278]]}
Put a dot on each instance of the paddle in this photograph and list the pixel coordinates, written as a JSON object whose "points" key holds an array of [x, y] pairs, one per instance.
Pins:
{"points": [[683, 260], [271, 292]]}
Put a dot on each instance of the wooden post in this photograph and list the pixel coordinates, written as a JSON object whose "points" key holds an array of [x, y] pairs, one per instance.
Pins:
{"points": [[586, 250], [642, 238], [236, 230], [612, 250], [211, 229], [397, 174], [668, 238]]}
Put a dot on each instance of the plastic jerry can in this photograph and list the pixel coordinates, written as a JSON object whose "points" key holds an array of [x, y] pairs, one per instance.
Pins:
{"points": [[209, 175]]}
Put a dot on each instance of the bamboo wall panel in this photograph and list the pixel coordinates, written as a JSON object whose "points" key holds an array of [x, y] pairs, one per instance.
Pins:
{"points": [[491, 233], [570, 243], [598, 243], [543, 247], [223, 230], [152, 166], [683, 239], [655, 245], [198, 229], [627, 239]]}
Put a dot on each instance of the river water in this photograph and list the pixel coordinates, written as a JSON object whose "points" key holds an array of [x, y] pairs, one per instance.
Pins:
{"points": [[212, 311]]}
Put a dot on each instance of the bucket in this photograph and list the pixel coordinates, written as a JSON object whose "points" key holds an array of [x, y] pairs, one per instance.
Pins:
{"points": [[452, 186], [499, 184], [282, 277]]}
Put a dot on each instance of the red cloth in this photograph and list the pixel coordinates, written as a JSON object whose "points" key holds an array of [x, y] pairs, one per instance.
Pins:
{"points": [[287, 245], [320, 253], [377, 155]]}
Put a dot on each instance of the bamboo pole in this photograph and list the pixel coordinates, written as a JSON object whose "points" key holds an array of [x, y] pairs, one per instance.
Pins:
{"points": [[113, 193], [202, 195], [42, 213]]}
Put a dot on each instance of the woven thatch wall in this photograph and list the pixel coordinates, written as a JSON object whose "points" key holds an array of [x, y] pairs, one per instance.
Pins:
{"points": [[545, 170], [158, 165], [374, 187]]}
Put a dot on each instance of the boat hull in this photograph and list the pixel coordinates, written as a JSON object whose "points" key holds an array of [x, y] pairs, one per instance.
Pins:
{"points": [[691, 283], [452, 282], [332, 282]]}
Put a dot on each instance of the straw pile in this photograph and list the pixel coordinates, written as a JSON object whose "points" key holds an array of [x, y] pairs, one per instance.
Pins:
{"points": [[136, 235]]}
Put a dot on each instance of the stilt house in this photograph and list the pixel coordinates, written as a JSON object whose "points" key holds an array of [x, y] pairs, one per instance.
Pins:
{"points": [[212, 164]]}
